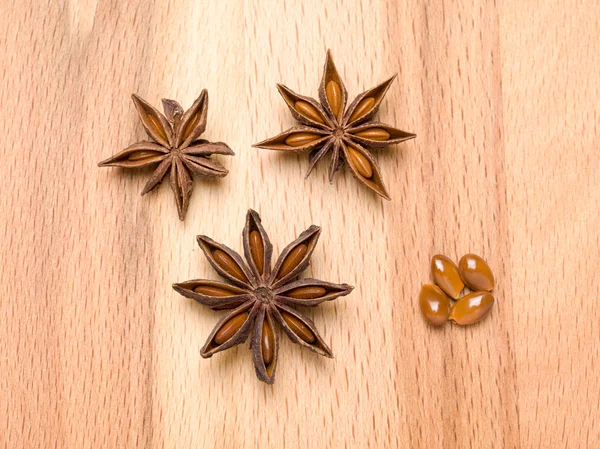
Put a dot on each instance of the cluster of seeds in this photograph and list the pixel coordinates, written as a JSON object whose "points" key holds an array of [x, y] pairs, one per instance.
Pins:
{"points": [[472, 278]]}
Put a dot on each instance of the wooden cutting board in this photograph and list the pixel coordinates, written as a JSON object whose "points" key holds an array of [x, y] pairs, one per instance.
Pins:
{"points": [[98, 351]]}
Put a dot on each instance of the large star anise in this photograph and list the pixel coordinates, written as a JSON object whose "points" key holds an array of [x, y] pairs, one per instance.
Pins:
{"points": [[259, 296], [175, 148], [328, 126]]}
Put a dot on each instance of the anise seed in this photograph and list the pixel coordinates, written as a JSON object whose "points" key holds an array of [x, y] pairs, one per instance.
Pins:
{"points": [[362, 108], [189, 128], [157, 126], [476, 273], [210, 290], [435, 305], [374, 134], [471, 308], [226, 262], [267, 343], [308, 110], [144, 154], [300, 139], [257, 249], [445, 274], [292, 260], [298, 327], [360, 163], [334, 96], [308, 292], [229, 329]]}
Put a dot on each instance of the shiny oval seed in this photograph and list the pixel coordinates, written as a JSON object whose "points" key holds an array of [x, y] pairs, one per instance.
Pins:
{"points": [[359, 162], [292, 260], [435, 305], [445, 274], [257, 249], [189, 128], [298, 327], [301, 139], [157, 126], [229, 329], [210, 290], [144, 154], [476, 273], [267, 343], [308, 110], [334, 96], [471, 308], [379, 134], [308, 292], [226, 262], [362, 108]]}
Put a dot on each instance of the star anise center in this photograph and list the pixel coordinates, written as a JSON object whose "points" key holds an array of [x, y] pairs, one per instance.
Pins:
{"points": [[338, 132], [264, 295]]}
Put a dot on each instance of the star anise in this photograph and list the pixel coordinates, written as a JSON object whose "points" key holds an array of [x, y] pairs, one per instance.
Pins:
{"points": [[258, 296], [328, 126], [176, 148]]}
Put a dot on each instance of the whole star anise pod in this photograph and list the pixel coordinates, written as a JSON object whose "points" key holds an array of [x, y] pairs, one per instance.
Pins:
{"points": [[258, 296], [175, 148], [328, 126]]}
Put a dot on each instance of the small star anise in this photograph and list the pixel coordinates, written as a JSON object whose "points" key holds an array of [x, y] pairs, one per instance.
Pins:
{"points": [[175, 148], [349, 135], [259, 296]]}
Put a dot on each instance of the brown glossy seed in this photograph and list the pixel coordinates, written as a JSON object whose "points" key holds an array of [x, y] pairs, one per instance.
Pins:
{"points": [[189, 128], [292, 260], [476, 273], [144, 154], [445, 274], [359, 162], [226, 262], [300, 139], [229, 329], [210, 290], [267, 343], [298, 327], [435, 304], [471, 308], [362, 108], [157, 126], [257, 249], [308, 292], [334, 96], [308, 110], [374, 134]]}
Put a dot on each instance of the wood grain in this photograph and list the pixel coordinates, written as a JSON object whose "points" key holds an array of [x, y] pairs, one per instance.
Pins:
{"points": [[97, 350]]}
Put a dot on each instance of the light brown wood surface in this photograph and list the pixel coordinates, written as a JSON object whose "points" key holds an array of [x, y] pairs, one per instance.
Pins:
{"points": [[98, 351]]}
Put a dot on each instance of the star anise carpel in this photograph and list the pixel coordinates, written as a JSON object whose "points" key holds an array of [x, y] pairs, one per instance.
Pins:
{"points": [[327, 126], [175, 148], [258, 296]]}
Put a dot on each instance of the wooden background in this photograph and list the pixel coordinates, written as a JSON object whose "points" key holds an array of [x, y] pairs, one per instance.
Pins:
{"points": [[98, 351]]}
